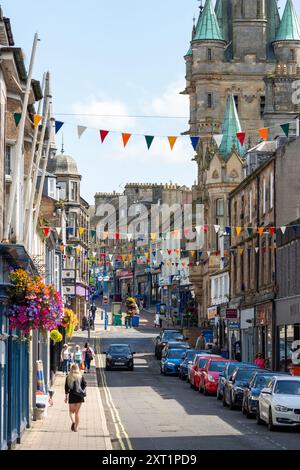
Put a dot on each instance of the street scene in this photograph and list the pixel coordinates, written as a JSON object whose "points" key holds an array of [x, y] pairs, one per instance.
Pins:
{"points": [[150, 228]]}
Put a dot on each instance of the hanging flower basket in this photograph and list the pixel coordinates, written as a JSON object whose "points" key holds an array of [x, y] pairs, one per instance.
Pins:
{"points": [[69, 321], [132, 307], [33, 304], [56, 336]]}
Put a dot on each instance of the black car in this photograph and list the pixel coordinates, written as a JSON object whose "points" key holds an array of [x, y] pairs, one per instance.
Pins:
{"points": [[164, 338], [188, 359], [235, 385], [253, 391], [119, 356]]}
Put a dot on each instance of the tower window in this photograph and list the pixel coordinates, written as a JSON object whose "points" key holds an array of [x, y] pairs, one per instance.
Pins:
{"points": [[209, 54], [259, 8], [292, 55], [8, 161], [236, 100], [262, 105], [209, 100]]}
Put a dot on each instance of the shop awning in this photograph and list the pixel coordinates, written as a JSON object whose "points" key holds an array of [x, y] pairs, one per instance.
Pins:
{"points": [[14, 257]]}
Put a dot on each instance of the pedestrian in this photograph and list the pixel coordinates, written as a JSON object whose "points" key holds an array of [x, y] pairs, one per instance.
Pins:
{"points": [[88, 356], [93, 311], [160, 322], [84, 323], [201, 343], [267, 364], [260, 361], [75, 386], [78, 356], [157, 320], [65, 357]]}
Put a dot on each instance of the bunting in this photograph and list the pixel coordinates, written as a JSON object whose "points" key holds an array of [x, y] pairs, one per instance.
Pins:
{"points": [[195, 142], [264, 132], [172, 141], [241, 136], [58, 126], [103, 135], [17, 118], [36, 120], [218, 139], [149, 140], [125, 138], [81, 130]]}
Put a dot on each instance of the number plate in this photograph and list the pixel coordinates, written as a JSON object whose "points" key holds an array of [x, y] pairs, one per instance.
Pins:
{"points": [[119, 363]]}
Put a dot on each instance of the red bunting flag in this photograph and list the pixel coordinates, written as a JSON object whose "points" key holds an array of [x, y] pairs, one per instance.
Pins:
{"points": [[241, 136], [103, 135], [169, 251], [117, 236], [205, 228], [46, 231], [126, 138], [272, 230]]}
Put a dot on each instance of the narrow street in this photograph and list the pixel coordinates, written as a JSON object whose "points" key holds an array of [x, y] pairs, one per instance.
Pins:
{"points": [[164, 413]]}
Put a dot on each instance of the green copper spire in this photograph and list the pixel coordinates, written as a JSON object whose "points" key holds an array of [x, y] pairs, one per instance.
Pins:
{"points": [[231, 126], [273, 25], [208, 27], [289, 29]]}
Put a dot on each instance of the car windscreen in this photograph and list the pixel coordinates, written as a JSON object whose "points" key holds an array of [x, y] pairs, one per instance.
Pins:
{"points": [[172, 335], [261, 381], [177, 345], [189, 355], [217, 366], [202, 362], [122, 350], [175, 354], [245, 374], [230, 369], [288, 387]]}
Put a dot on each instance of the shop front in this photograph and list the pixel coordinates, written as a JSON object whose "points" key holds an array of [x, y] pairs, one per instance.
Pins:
{"points": [[264, 331], [125, 278], [287, 332], [247, 334]]}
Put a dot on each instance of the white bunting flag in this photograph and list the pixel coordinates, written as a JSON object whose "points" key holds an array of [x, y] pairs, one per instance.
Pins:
{"points": [[283, 229], [129, 236], [217, 228], [208, 253], [256, 249], [198, 229], [58, 229], [218, 139], [110, 257], [81, 130]]}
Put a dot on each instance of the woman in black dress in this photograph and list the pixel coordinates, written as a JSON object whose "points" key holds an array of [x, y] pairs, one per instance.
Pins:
{"points": [[75, 386]]}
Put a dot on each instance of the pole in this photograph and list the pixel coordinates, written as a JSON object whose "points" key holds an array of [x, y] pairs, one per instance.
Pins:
{"points": [[34, 143], [38, 159], [19, 145]]}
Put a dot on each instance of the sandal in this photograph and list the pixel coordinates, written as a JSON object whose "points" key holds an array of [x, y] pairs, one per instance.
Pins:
{"points": [[73, 427]]}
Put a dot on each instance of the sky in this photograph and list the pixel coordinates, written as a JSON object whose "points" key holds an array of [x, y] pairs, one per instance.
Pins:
{"points": [[114, 58]]}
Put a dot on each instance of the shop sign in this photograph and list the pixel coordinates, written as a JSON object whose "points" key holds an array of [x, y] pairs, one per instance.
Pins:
{"points": [[264, 314], [212, 312], [124, 274], [231, 313], [234, 325]]}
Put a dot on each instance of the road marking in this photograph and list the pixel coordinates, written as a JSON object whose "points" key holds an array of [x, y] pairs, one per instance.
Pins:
{"points": [[113, 410]]}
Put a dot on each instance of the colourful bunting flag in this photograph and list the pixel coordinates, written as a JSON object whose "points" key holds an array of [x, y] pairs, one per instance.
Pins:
{"points": [[186, 232], [17, 118], [153, 236], [261, 231], [198, 229], [195, 142], [286, 129], [103, 135], [283, 229], [241, 251], [205, 228], [81, 231], [256, 249], [172, 141], [58, 230], [217, 228], [81, 130], [264, 132], [272, 230], [250, 231], [241, 136], [46, 231], [126, 138], [238, 230], [228, 230], [218, 139], [70, 230], [36, 120], [209, 253], [117, 236], [58, 126], [149, 140]]}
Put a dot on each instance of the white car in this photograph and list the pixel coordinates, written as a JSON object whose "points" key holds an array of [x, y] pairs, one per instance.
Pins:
{"points": [[279, 403]]}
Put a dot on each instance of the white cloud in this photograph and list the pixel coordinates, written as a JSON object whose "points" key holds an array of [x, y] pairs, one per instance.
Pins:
{"points": [[171, 102]]}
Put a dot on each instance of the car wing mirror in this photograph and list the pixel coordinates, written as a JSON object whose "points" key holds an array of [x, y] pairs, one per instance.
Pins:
{"points": [[230, 378]]}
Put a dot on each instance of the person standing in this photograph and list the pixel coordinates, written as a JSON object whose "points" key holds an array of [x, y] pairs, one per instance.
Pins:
{"points": [[65, 357], [88, 356], [260, 361], [75, 386], [78, 356], [201, 343], [93, 313], [157, 320]]}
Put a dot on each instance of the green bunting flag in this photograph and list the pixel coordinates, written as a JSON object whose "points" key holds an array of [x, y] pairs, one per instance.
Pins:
{"points": [[149, 140], [286, 129], [17, 118]]}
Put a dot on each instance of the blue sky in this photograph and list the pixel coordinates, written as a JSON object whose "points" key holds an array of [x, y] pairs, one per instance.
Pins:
{"points": [[114, 57]]}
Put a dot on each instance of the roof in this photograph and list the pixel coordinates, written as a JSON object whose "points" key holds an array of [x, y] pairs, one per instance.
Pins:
{"points": [[208, 27], [62, 165], [289, 29], [231, 126]]}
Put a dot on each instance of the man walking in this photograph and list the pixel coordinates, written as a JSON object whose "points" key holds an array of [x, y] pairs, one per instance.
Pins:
{"points": [[93, 313]]}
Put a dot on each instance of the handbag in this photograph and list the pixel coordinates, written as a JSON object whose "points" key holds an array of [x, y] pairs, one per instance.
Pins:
{"points": [[77, 390], [89, 355]]}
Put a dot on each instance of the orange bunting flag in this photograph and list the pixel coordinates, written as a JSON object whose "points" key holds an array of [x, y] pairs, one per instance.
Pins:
{"points": [[261, 231], [241, 251], [123, 257], [36, 120], [172, 141], [238, 230], [125, 138], [264, 132], [192, 252]]}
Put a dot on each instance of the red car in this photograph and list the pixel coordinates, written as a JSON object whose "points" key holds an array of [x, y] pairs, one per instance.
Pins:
{"points": [[209, 376], [198, 365]]}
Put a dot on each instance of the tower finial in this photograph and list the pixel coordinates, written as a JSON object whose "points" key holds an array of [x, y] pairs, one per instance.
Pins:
{"points": [[201, 5], [62, 144]]}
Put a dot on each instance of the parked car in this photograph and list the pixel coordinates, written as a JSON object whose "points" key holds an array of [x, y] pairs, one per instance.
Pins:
{"points": [[188, 359], [235, 385], [208, 377], [191, 365], [224, 375], [170, 362], [175, 345], [252, 392], [279, 402], [164, 337], [119, 356], [196, 369]]}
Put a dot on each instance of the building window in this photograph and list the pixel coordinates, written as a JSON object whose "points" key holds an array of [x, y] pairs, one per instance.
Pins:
{"points": [[209, 54], [242, 273], [262, 105], [73, 191], [52, 188], [249, 268], [271, 191], [250, 207], [209, 100], [219, 218], [72, 222], [264, 196], [292, 55], [8, 153], [62, 187]]}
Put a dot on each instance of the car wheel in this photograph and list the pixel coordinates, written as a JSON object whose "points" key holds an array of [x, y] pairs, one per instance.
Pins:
{"points": [[232, 405], [131, 368], [271, 426], [258, 418]]}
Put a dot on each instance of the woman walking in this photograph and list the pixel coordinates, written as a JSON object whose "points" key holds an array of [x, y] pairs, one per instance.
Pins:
{"points": [[75, 389], [88, 356], [78, 356], [65, 357]]}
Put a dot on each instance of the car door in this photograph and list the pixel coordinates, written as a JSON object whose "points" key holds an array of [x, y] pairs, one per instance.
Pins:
{"points": [[265, 400], [229, 387]]}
